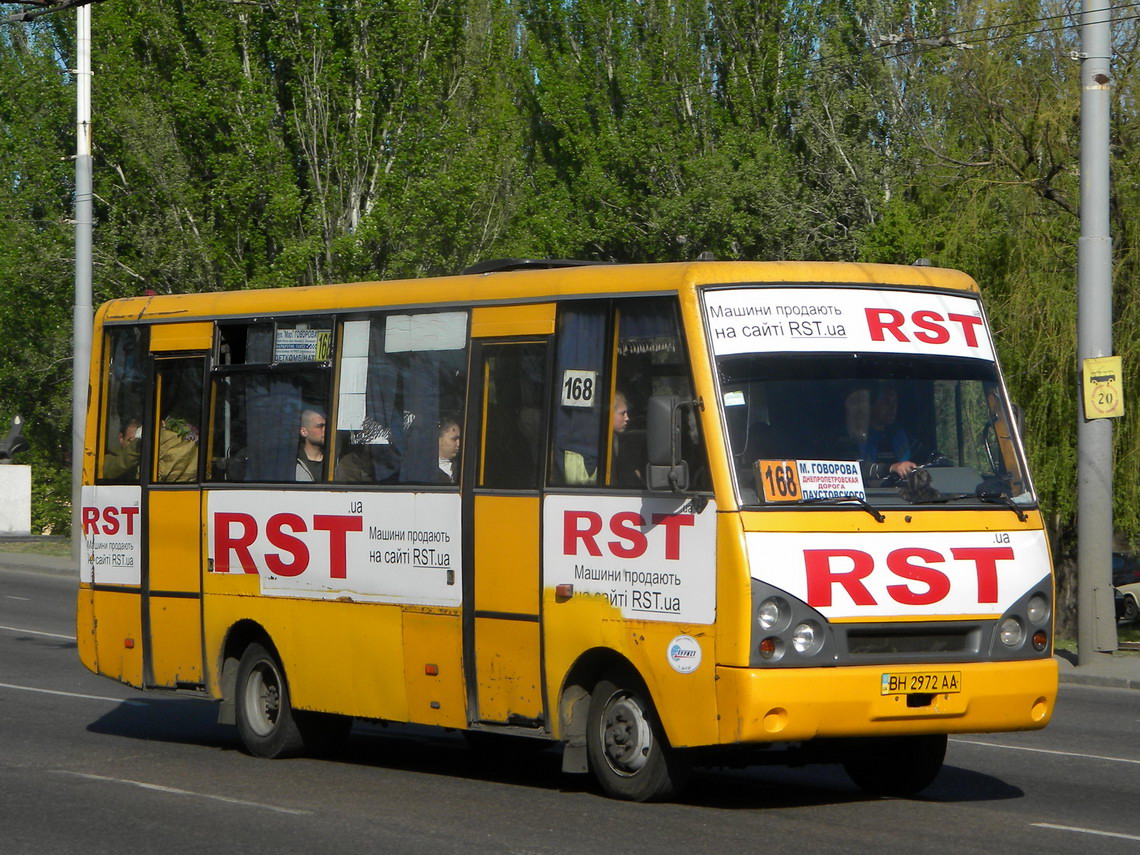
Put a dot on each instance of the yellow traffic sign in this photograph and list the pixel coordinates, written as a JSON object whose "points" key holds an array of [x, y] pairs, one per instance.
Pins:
{"points": [[1103, 387]]}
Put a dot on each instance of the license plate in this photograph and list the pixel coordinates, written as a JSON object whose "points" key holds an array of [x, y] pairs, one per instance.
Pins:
{"points": [[922, 682]]}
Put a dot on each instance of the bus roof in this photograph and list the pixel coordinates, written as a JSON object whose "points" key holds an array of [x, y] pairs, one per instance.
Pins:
{"points": [[521, 286]]}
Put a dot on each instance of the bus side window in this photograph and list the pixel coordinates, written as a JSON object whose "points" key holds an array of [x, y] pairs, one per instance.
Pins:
{"points": [[650, 360], [125, 405], [581, 394], [403, 381], [273, 378]]}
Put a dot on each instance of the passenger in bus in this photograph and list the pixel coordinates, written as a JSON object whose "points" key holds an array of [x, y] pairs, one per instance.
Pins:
{"points": [[177, 450], [122, 462], [448, 451], [577, 469], [311, 448]]}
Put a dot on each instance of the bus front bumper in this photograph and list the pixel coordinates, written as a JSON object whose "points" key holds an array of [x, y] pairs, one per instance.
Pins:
{"points": [[797, 704]]}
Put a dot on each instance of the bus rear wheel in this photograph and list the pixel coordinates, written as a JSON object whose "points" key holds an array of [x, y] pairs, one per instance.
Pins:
{"points": [[626, 746], [895, 765], [265, 718]]}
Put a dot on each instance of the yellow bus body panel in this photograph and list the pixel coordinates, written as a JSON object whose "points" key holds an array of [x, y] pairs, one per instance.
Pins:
{"points": [[434, 639], [768, 705], [117, 636], [175, 640], [510, 682], [339, 657]]}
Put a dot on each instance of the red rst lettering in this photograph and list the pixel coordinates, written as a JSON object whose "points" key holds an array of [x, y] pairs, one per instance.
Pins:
{"points": [[130, 514], [90, 520], [934, 333], [937, 583], [338, 528], [968, 324], [673, 524], [820, 576], [223, 542], [293, 545], [985, 559], [571, 532], [878, 326], [110, 520], [626, 526]]}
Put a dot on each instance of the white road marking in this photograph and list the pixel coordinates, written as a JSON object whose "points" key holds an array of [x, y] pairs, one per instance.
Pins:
{"points": [[37, 632], [1080, 830], [1049, 751], [13, 597], [177, 792], [70, 694]]}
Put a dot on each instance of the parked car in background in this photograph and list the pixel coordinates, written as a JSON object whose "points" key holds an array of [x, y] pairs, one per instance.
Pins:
{"points": [[1129, 609], [1125, 569]]}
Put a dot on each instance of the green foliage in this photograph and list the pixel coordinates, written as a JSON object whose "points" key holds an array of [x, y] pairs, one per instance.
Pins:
{"points": [[274, 144]]}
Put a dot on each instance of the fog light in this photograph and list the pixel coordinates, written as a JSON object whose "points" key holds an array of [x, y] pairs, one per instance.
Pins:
{"points": [[807, 638], [771, 648], [1037, 609], [1011, 632], [1040, 639]]}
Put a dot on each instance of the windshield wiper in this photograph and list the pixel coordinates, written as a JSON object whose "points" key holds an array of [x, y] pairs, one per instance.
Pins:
{"points": [[987, 497], [850, 497], [1002, 499]]}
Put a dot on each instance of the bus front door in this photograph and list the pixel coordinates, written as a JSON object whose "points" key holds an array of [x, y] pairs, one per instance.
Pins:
{"points": [[505, 449]]}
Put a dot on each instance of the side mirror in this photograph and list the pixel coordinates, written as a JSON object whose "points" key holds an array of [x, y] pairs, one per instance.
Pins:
{"points": [[666, 470], [15, 443]]}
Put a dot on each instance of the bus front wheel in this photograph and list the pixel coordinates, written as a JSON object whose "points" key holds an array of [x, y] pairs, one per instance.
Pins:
{"points": [[895, 765], [264, 716], [626, 746]]}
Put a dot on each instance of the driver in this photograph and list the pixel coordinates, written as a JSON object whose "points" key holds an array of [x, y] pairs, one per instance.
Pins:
{"points": [[886, 442]]}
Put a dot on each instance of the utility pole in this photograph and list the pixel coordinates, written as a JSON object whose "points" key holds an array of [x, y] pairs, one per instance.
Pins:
{"points": [[1096, 618], [81, 314]]}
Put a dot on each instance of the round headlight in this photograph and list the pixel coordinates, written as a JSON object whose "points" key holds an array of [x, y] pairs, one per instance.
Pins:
{"points": [[771, 648], [770, 614], [807, 638], [1011, 632], [1037, 609]]}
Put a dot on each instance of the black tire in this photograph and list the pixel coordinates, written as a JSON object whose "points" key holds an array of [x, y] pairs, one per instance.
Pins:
{"points": [[628, 753], [265, 718], [895, 765], [1131, 609]]}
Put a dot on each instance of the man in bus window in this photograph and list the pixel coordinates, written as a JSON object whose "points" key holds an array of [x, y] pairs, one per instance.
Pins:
{"points": [[311, 453], [886, 442], [122, 462], [448, 451]]}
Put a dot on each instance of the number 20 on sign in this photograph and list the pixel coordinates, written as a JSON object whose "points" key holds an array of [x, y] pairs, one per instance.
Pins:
{"points": [[779, 480]]}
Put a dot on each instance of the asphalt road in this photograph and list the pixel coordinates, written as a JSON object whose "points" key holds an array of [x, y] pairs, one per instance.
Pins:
{"points": [[89, 766]]}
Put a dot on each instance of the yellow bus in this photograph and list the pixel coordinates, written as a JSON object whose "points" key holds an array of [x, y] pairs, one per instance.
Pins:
{"points": [[661, 514]]}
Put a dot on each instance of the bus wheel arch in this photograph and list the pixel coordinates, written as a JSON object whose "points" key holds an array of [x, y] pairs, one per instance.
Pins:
{"points": [[238, 638], [611, 729]]}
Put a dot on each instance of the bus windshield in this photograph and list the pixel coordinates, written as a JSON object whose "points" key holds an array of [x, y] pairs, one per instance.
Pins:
{"points": [[873, 412]]}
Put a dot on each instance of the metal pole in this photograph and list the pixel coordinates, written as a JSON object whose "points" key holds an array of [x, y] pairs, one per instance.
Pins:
{"points": [[1096, 620], [82, 314]]}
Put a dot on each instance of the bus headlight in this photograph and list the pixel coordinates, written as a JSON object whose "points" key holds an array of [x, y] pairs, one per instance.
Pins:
{"points": [[807, 638], [1011, 632], [772, 614], [1037, 610]]}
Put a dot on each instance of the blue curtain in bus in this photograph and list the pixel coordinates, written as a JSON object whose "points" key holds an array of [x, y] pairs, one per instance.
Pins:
{"points": [[581, 347], [273, 418], [648, 327], [420, 461]]}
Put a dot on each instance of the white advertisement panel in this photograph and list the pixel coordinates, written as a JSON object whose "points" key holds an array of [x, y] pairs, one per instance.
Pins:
{"points": [[112, 535], [896, 574], [376, 547], [765, 320], [654, 559]]}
